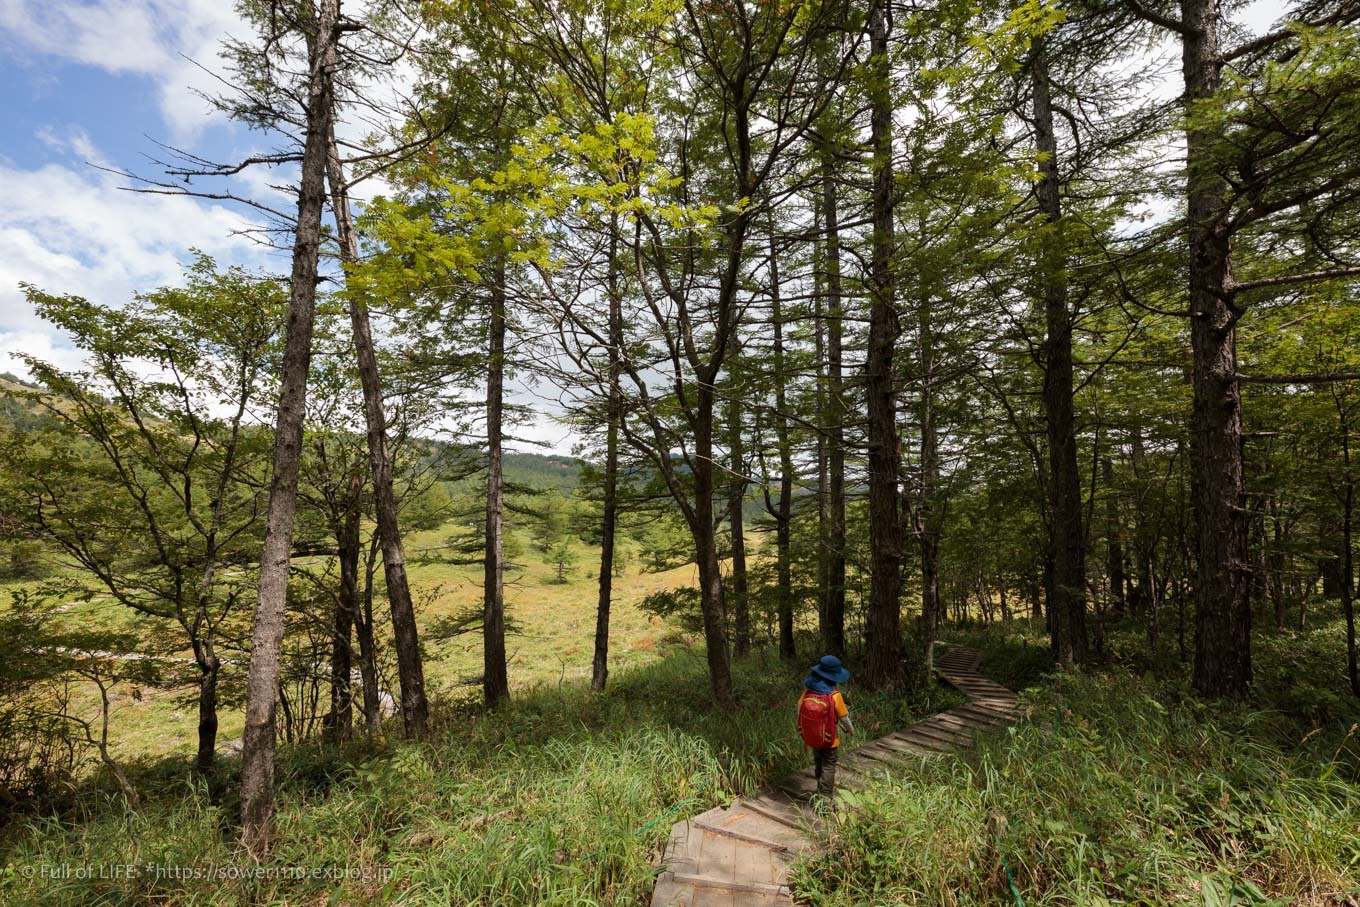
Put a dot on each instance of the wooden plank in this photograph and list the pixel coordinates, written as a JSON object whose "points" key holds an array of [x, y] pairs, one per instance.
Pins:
{"points": [[897, 759], [746, 821], [988, 721], [705, 881], [941, 729], [1002, 712], [741, 836], [793, 818], [905, 746], [868, 752], [912, 735], [954, 721]]}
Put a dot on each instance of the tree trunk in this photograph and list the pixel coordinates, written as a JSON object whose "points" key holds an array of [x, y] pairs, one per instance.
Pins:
{"points": [[1068, 602], [262, 684], [1347, 550], [736, 496], [600, 666], [415, 708], [703, 529], [833, 636], [927, 518], [368, 659], [823, 409], [1145, 598], [1114, 548], [1222, 603], [883, 667], [495, 682], [783, 517], [209, 666], [340, 722]]}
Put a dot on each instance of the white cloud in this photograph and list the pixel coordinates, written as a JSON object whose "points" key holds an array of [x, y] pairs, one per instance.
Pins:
{"points": [[39, 345], [68, 228], [151, 38]]}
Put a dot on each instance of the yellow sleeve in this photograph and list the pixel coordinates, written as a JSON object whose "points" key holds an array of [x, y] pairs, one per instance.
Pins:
{"points": [[841, 709]]}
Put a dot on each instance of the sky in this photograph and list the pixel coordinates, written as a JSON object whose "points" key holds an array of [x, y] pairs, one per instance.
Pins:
{"points": [[97, 83]]}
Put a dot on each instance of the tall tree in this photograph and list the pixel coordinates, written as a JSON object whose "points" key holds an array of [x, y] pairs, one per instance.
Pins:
{"points": [[834, 409], [1258, 151], [782, 512], [883, 667], [1067, 621], [149, 487], [495, 679], [320, 25], [740, 603], [613, 416], [411, 673]]}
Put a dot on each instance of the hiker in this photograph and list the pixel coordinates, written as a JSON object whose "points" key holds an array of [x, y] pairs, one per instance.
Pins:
{"points": [[821, 714]]}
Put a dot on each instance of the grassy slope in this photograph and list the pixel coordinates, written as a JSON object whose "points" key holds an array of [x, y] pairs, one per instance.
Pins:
{"points": [[556, 642], [1122, 788], [563, 797]]}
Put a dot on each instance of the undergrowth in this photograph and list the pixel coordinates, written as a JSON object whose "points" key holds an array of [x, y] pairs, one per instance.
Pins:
{"points": [[1121, 787], [563, 797]]}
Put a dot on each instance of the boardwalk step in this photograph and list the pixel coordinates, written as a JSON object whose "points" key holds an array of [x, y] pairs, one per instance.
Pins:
{"points": [[914, 736], [672, 892], [951, 720], [741, 836], [743, 823], [704, 881], [790, 815], [992, 719], [942, 729]]}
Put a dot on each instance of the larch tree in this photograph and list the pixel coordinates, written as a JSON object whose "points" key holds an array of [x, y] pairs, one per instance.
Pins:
{"points": [[1257, 149], [321, 27], [883, 667]]}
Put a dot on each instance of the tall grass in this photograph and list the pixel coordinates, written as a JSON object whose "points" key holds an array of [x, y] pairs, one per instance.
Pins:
{"points": [[564, 797], [1116, 790]]}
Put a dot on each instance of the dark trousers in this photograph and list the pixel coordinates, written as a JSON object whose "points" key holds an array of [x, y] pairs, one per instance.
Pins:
{"points": [[824, 768]]}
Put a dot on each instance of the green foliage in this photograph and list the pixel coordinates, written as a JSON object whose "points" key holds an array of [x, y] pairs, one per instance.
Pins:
{"points": [[1114, 785]]}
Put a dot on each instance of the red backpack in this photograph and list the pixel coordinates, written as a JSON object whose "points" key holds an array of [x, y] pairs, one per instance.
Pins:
{"points": [[817, 719]]}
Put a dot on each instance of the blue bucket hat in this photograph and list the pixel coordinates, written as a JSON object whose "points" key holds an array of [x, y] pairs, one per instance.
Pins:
{"points": [[828, 670]]}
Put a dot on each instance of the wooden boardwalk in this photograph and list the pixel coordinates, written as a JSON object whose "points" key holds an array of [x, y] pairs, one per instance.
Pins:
{"points": [[739, 855]]}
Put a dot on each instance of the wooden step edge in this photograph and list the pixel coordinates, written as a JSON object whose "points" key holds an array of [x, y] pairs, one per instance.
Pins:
{"points": [[960, 737], [978, 721], [772, 814], [739, 836], [1004, 708], [907, 747], [730, 884], [925, 741], [950, 719], [896, 759], [930, 734], [990, 721], [863, 765], [866, 752]]}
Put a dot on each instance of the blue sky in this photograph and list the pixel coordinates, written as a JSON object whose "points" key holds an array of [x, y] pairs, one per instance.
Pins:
{"points": [[98, 82]]}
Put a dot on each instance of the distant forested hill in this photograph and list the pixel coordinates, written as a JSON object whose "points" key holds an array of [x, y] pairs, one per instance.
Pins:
{"points": [[17, 414], [543, 470]]}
